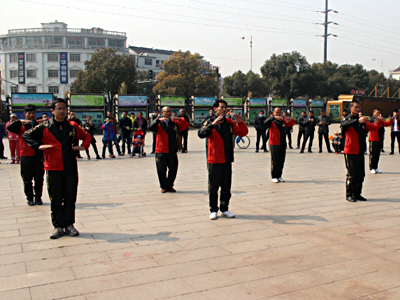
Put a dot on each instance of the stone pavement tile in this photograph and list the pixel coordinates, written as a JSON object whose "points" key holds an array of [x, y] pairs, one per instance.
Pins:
{"points": [[385, 295], [24, 239], [8, 221], [64, 241], [74, 298], [323, 237], [67, 262], [97, 247], [107, 222], [196, 227], [261, 234], [295, 249], [168, 272], [158, 290], [283, 284], [30, 225], [158, 216], [148, 250], [211, 241], [229, 229], [386, 262], [111, 267], [138, 227], [79, 287], [30, 256], [12, 269], [35, 279], [292, 296], [20, 294], [12, 214], [392, 243], [10, 249], [181, 238], [190, 255], [344, 270]]}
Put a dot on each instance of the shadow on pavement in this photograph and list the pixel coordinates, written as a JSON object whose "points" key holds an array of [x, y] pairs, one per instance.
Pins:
{"points": [[316, 181], [383, 200], [284, 219], [96, 205], [124, 238]]}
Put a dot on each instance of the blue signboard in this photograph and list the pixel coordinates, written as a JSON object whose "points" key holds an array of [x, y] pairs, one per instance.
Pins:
{"points": [[258, 102], [204, 101], [63, 67]]}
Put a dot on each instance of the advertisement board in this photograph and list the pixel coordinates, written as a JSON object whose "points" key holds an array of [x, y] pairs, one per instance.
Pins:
{"points": [[126, 100], [172, 101], [296, 113], [317, 103], [204, 101], [279, 102], [87, 100], [299, 103], [200, 115], [63, 68], [97, 117], [258, 102], [253, 113], [334, 112], [22, 99], [233, 101], [21, 68]]}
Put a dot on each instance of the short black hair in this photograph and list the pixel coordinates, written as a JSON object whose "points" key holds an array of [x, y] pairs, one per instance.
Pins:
{"points": [[262, 111], [323, 110], [344, 110], [352, 103], [395, 110], [376, 109], [29, 107], [58, 100], [217, 102], [311, 112]]}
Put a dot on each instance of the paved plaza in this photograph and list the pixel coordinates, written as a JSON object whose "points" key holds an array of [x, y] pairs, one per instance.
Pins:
{"points": [[295, 240]]}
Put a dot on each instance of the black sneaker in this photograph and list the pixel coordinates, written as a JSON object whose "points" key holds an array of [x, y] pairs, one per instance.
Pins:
{"points": [[31, 203], [359, 198], [98, 157], [57, 232], [70, 230], [351, 199], [38, 201]]}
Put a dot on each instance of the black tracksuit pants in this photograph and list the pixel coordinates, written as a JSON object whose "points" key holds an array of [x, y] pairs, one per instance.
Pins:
{"points": [[374, 154], [326, 138], [93, 143], [166, 162], [308, 135], [355, 164], [126, 139], [289, 137], [184, 139], [219, 175], [263, 135], [393, 136], [299, 135], [278, 155], [32, 169], [62, 187]]}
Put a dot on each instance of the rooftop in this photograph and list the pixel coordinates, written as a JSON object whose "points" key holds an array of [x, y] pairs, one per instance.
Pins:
{"points": [[141, 50]]}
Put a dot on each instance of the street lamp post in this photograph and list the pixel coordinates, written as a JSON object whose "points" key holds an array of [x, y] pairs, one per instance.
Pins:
{"points": [[251, 51]]}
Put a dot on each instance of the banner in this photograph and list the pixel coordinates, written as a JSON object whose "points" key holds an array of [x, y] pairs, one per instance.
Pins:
{"points": [[172, 101], [63, 67], [97, 117], [334, 112], [299, 103], [125, 100], [233, 101], [204, 101], [87, 100], [22, 99], [21, 68], [200, 115], [258, 102], [296, 113], [279, 102], [317, 103]]}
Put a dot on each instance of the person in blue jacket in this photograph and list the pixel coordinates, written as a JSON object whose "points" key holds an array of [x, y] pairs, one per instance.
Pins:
{"points": [[108, 137]]}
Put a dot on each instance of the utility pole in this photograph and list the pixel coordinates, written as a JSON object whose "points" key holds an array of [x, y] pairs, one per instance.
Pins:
{"points": [[326, 23]]}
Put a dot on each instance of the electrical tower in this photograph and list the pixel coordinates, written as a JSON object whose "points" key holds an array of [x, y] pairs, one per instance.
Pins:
{"points": [[326, 23]]}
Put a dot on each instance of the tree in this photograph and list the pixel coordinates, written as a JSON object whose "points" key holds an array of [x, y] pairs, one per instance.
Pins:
{"points": [[286, 74], [244, 85], [185, 74], [105, 72]]}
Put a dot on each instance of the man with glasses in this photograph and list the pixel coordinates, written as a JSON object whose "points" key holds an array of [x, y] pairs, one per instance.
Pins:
{"points": [[166, 130]]}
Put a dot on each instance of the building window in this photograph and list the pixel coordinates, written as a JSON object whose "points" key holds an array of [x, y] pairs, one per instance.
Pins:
{"points": [[52, 73], [72, 40], [31, 73], [148, 61], [33, 40], [13, 57], [116, 43], [58, 40], [53, 89], [31, 89], [16, 41], [31, 57], [14, 89], [74, 57], [52, 57], [73, 73], [96, 42], [13, 73]]}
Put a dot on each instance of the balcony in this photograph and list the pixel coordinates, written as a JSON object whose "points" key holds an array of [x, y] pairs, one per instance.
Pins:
{"points": [[60, 46], [83, 31]]}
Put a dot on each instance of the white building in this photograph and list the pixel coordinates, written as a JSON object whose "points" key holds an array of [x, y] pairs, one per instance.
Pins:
{"points": [[48, 59], [395, 74], [149, 59]]}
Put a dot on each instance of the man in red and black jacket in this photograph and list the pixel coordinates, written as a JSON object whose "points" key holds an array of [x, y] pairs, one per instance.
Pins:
{"points": [[219, 130], [166, 129], [56, 139], [31, 159], [355, 129], [376, 140], [277, 141]]}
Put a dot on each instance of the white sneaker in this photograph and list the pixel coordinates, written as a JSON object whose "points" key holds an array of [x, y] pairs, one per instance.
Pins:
{"points": [[373, 171], [228, 214], [378, 171], [213, 216], [281, 179], [276, 180]]}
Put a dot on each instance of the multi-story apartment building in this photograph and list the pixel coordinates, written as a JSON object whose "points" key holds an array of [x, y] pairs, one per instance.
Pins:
{"points": [[395, 74], [48, 59], [149, 59]]}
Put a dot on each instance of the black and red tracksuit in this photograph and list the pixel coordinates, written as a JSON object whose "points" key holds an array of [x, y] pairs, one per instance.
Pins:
{"points": [[277, 143], [375, 139], [166, 149], [31, 162], [354, 149], [220, 158], [60, 164]]}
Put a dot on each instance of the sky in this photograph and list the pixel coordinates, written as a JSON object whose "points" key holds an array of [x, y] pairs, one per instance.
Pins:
{"points": [[366, 32]]}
